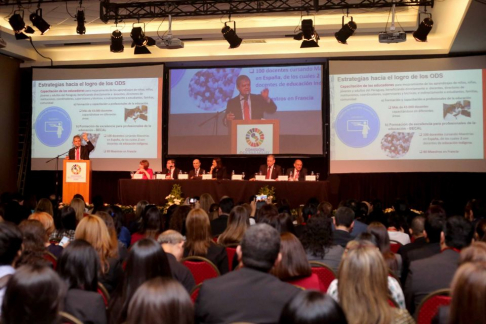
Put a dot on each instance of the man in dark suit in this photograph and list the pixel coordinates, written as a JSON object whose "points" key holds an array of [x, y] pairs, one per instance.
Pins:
{"points": [[430, 274], [197, 172], [270, 170], [248, 106], [298, 173], [249, 294], [171, 172], [219, 224], [80, 152], [417, 231], [343, 222]]}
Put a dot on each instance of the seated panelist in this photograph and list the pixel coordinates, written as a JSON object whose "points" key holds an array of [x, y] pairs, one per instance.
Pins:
{"points": [[197, 172], [144, 170], [297, 173]]}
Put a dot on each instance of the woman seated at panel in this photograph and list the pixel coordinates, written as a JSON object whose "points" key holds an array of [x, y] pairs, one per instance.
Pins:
{"points": [[218, 170], [144, 170]]}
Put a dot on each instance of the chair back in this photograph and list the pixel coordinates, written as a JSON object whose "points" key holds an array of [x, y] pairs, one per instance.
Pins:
{"points": [[230, 251], [429, 307], [51, 258], [195, 292], [325, 274], [68, 318], [201, 268], [395, 246], [104, 293], [312, 282]]}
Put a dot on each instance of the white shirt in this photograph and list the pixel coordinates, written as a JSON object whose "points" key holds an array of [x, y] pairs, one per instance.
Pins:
{"points": [[399, 237], [5, 270]]}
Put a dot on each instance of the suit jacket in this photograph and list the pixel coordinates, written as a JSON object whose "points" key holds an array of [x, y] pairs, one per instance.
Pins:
{"points": [[181, 273], [257, 108], [87, 306], [404, 250], [341, 237], [192, 173], [428, 275], [276, 171], [217, 255], [245, 295], [85, 149], [220, 173], [302, 173], [218, 225], [176, 172]]}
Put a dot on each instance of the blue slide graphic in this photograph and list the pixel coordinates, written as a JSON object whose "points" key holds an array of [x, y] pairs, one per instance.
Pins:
{"points": [[357, 125], [53, 126]]}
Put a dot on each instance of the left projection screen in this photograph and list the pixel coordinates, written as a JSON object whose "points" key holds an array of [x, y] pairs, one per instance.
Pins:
{"points": [[119, 108]]}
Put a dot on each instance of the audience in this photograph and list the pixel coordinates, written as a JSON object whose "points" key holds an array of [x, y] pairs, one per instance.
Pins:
{"points": [[393, 261], [205, 202], [10, 248], [238, 222], [324, 209], [78, 267], [344, 222], [396, 230], [121, 249], [46, 220], [199, 240], [34, 241], [218, 225], [122, 233], [476, 252], [161, 300], [419, 240], [249, 294], [151, 226], [44, 205], [480, 234], [178, 219], [79, 207], [67, 224]]}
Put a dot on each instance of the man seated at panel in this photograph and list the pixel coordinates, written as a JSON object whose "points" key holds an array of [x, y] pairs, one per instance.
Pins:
{"points": [[297, 173], [171, 172], [270, 170], [197, 172]]}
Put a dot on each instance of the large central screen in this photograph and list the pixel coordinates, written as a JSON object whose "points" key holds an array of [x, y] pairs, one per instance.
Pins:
{"points": [[250, 110]]}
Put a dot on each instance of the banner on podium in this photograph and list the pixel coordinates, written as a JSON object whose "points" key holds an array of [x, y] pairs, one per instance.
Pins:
{"points": [[76, 172], [255, 137]]}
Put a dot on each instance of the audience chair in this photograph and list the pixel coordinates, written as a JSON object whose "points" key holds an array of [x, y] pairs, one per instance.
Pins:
{"points": [[230, 251], [68, 318], [313, 282], [201, 268], [429, 306], [51, 258], [324, 272], [392, 302], [104, 293], [215, 239], [195, 292], [394, 246]]}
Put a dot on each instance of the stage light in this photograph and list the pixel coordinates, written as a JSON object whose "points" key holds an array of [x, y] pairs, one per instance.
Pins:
{"points": [[346, 31], [140, 41], [116, 42], [81, 29], [308, 35], [39, 22], [230, 35], [18, 25], [423, 30]]}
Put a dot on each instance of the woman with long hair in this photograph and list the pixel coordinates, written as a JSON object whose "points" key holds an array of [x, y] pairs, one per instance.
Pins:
{"points": [[78, 267], [162, 299], [205, 201], [151, 226], [79, 207], [199, 240], [67, 224], [364, 297], [178, 219], [34, 243], [44, 205], [218, 170], [146, 260], [317, 242], [93, 230], [110, 224], [393, 260], [238, 222], [122, 233]]}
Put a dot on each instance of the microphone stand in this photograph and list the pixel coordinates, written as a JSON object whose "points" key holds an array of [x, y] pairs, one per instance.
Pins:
{"points": [[216, 117], [57, 173]]}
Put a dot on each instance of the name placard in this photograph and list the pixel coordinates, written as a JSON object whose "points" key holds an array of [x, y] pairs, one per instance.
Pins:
{"points": [[160, 176], [208, 176], [183, 176], [236, 177], [260, 177], [283, 178], [310, 178], [138, 176]]}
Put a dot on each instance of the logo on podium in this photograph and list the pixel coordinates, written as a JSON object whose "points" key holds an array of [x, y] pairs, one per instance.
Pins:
{"points": [[255, 137], [76, 169]]}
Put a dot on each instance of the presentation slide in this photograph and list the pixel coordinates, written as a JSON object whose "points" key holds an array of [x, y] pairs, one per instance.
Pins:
{"points": [[119, 109], [408, 116], [249, 110]]}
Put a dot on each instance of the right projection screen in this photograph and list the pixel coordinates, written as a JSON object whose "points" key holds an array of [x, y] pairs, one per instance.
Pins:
{"points": [[408, 115]]}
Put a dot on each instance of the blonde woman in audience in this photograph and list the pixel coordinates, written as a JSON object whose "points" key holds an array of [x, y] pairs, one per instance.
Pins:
{"points": [[238, 222], [93, 230], [363, 287], [44, 205], [79, 207], [205, 201], [110, 224], [46, 220]]}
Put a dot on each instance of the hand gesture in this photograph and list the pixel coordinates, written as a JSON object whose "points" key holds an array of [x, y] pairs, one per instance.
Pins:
{"points": [[265, 94], [230, 116], [85, 137]]}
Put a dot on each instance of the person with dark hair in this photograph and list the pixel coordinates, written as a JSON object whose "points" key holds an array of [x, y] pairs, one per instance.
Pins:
{"points": [[397, 228], [34, 241], [144, 170], [358, 225], [417, 230], [217, 170], [310, 209], [270, 170], [250, 294], [238, 222], [265, 213], [475, 210], [146, 260], [317, 240], [122, 233], [161, 300], [344, 222], [324, 209], [80, 152], [15, 211], [367, 237], [78, 267], [312, 307], [34, 295], [170, 171], [436, 272], [98, 204], [120, 248], [67, 224], [10, 247], [178, 219], [480, 233], [297, 173], [377, 214], [152, 225], [393, 261], [219, 224]]}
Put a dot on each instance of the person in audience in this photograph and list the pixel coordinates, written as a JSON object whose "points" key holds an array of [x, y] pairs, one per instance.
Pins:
{"points": [[324, 209], [178, 219], [436, 272], [266, 212], [161, 300], [170, 171], [205, 202], [173, 244], [475, 210], [476, 252], [15, 211], [417, 230], [197, 172], [250, 294], [358, 225], [98, 204], [317, 240], [376, 214], [480, 234], [151, 226], [364, 297], [44, 205], [93, 230], [135, 224], [297, 173], [115, 243], [395, 230], [144, 170], [294, 266], [79, 207], [78, 267], [270, 170], [312, 307], [213, 211], [34, 294], [310, 209], [218, 170], [219, 224], [10, 248], [36, 244], [145, 261], [122, 233], [393, 261], [238, 222], [199, 240], [344, 222], [46, 220], [367, 237], [67, 225]]}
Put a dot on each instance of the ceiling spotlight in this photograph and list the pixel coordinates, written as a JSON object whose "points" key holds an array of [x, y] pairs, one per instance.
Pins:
{"points": [[39, 22], [308, 35], [117, 42], [346, 31], [423, 30], [81, 29], [230, 35], [140, 41], [18, 25]]}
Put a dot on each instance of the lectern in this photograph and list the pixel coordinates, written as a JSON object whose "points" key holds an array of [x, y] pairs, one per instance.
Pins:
{"points": [[255, 136], [76, 179]]}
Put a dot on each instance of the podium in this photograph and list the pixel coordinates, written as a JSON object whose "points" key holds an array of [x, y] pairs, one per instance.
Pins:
{"points": [[255, 136], [76, 179]]}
